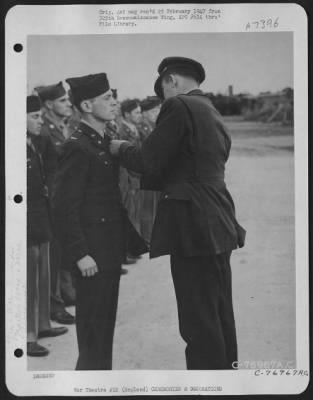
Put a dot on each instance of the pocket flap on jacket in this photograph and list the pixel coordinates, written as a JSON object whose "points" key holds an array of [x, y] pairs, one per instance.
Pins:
{"points": [[176, 192]]}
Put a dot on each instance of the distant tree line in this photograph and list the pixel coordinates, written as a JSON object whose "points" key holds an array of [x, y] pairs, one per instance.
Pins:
{"points": [[239, 104]]}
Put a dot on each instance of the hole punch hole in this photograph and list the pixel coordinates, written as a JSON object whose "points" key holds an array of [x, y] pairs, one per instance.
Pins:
{"points": [[18, 47], [18, 353], [18, 198]]}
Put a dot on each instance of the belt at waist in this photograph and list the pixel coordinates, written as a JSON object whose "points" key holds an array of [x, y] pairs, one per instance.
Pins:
{"points": [[207, 179]]}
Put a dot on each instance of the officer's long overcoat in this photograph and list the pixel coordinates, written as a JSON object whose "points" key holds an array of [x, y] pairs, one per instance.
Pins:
{"points": [[185, 158]]}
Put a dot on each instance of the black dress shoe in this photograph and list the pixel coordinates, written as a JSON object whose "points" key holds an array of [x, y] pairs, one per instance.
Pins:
{"points": [[36, 350], [62, 317], [53, 332], [69, 301], [129, 260], [134, 256], [124, 271]]}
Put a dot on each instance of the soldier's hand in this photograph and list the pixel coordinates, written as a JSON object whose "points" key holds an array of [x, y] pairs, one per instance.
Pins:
{"points": [[87, 266], [115, 146]]}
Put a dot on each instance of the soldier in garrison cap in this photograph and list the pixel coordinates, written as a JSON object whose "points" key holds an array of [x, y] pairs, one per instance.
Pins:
{"points": [[150, 108], [111, 127], [93, 220], [39, 233], [130, 181], [57, 111], [185, 157]]}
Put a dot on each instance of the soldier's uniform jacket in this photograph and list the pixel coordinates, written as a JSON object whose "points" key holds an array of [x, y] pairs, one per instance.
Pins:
{"points": [[58, 133], [87, 201], [144, 130], [111, 130], [38, 207], [129, 132], [186, 156]]}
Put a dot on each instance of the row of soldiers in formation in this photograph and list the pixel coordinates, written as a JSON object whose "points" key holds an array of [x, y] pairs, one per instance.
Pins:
{"points": [[134, 121]]}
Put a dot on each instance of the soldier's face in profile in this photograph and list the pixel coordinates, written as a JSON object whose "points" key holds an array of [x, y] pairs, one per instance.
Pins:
{"points": [[135, 115], [103, 107], [62, 106], [34, 123], [152, 114]]}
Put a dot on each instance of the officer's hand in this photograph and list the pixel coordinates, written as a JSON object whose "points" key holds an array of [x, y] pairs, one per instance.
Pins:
{"points": [[87, 266], [115, 146]]}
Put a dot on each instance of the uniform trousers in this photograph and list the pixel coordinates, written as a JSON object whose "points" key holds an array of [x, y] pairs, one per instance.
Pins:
{"points": [[96, 307], [57, 303], [61, 280], [131, 196], [149, 203], [38, 290], [206, 319]]}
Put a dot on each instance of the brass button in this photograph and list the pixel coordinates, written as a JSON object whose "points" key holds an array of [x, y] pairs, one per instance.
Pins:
{"points": [[106, 163], [166, 196], [103, 219]]}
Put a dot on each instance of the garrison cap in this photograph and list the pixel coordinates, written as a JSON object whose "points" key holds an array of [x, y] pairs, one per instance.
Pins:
{"points": [[178, 64], [150, 102], [51, 92], [33, 104], [129, 105], [88, 87]]}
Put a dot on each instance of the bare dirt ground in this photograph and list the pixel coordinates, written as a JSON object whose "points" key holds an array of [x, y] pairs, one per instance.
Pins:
{"points": [[260, 176]]}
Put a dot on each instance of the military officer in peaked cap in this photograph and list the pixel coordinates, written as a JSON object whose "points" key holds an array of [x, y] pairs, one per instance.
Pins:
{"points": [[57, 109], [92, 220], [185, 156]]}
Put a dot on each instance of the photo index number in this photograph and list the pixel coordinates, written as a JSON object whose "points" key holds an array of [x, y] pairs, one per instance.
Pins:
{"points": [[262, 24]]}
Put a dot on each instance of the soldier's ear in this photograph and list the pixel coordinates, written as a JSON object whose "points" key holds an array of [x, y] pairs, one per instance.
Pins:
{"points": [[49, 104], [86, 106], [172, 79]]}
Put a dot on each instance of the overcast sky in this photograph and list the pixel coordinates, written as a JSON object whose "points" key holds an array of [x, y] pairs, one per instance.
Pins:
{"points": [[251, 62]]}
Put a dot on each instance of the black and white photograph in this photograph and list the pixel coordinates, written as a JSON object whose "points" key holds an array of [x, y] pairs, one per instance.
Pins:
{"points": [[157, 211]]}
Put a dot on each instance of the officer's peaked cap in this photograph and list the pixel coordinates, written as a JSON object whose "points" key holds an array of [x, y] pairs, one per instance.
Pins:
{"points": [[50, 92], [88, 87], [178, 64]]}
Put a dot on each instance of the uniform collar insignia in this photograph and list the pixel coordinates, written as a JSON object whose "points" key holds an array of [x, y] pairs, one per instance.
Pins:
{"points": [[92, 133]]}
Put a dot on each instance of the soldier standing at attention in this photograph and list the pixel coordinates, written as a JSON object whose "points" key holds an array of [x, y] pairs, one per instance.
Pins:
{"points": [[38, 236], [150, 108], [195, 222], [111, 127], [130, 181], [93, 220], [57, 110]]}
